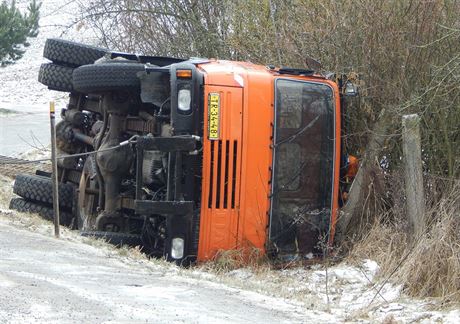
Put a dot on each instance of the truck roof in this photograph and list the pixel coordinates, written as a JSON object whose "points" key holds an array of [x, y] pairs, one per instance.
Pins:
{"points": [[233, 73]]}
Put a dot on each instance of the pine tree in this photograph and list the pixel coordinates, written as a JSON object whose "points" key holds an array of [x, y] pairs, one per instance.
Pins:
{"points": [[15, 27]]}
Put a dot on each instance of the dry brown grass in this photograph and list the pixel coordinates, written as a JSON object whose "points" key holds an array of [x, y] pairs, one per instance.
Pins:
{"points": [[433, 266], [428, 267], [378, 243], [234, 259]]}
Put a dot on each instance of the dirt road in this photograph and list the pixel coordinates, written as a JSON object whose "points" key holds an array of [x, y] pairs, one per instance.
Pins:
{"points": [[43, 279]]}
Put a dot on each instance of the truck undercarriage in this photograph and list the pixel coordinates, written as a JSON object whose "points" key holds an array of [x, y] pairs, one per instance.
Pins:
{"points": [[145, 179]]}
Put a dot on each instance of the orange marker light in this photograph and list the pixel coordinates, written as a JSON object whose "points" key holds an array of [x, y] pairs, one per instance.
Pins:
{"points": [[185, 74]]}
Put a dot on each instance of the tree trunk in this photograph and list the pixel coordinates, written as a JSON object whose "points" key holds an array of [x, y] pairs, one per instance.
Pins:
{"points": [[365, 179]]}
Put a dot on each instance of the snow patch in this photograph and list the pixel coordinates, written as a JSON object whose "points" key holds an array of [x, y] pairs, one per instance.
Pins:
{"points": [[5, 283], [20, 87]]}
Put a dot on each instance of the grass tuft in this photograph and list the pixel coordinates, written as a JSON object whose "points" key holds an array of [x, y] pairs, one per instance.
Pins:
{"points": [[229, 260]]}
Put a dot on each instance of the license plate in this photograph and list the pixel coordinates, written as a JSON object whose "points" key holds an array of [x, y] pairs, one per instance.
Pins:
{"points": [[214, 116]]}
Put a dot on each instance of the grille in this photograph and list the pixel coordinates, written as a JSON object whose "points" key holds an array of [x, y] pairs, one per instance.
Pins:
{"points": [[223, 173]]}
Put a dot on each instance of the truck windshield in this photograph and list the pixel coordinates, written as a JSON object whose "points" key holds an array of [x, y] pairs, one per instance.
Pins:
{"points": [[302, 167]]}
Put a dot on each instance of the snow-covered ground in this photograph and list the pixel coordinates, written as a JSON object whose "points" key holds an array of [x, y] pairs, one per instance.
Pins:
{"points": [[18, 82], [24, 102], [76, 279], [61, 281]]}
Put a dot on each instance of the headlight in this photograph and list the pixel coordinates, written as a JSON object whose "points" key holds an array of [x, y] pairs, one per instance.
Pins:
{"points": [[177, 248], [184, 99]]}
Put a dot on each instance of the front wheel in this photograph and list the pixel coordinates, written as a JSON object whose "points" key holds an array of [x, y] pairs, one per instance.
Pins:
{"points": [[88, 196], [106, 77]]}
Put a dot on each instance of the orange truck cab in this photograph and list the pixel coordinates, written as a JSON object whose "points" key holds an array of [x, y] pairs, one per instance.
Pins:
{"points": [[270, 156]]}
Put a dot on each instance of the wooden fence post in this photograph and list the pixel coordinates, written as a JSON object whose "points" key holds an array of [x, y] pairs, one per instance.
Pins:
{"points": [[54, 175], [415, 205]]}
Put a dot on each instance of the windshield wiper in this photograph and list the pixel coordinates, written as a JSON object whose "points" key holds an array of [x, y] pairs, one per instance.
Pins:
{"points": [[291, 179], [298, 133]]}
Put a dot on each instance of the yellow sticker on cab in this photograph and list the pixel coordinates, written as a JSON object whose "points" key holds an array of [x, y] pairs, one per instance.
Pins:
{"points": [[214, 116]]}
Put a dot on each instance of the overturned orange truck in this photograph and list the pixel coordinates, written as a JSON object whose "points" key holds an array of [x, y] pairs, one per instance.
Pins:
{"points": [[201, 156]]}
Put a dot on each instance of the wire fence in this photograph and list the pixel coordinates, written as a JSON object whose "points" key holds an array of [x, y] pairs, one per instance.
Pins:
{"points": [[14, 161], [10, 167]]}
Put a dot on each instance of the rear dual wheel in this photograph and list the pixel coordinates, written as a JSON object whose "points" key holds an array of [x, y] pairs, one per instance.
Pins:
{"points": [[94, 78], [71, 54], [73, 69], [56, 77], [40, 190], [46, 212], [36, 194], [65, 57]]}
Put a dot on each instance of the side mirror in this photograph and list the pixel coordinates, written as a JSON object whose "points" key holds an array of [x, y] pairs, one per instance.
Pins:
{"points": [[350, 89]]}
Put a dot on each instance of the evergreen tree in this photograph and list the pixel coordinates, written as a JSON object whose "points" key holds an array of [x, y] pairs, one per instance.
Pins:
{"points": [[15, 27]]}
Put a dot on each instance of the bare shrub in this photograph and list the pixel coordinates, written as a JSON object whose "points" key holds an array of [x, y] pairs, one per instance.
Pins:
{"points": [[431, 266]]}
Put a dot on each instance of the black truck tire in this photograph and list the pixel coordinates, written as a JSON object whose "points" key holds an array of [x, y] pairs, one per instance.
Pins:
{"points": [[104, 77], [46, 212], [115, 238], [40, 189], [56, 77], [71, 54]]}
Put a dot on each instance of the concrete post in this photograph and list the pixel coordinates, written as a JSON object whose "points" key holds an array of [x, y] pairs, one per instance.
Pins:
{"points": [[415, 196]]}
